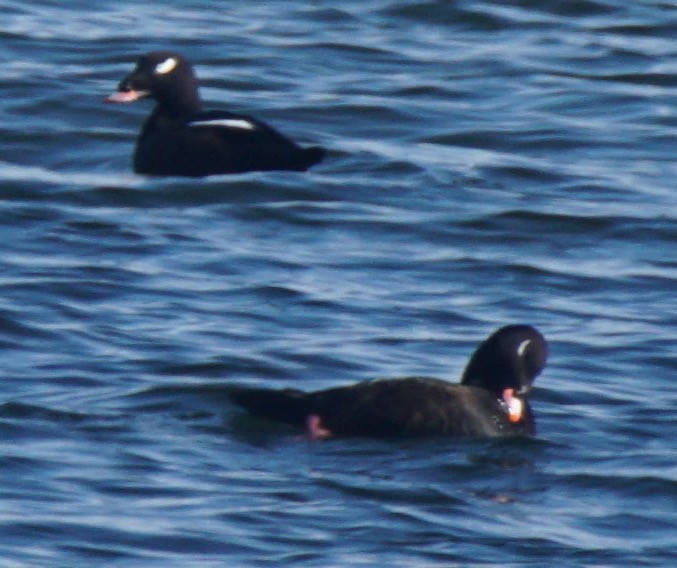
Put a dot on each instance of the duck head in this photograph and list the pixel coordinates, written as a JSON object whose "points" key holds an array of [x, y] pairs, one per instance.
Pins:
{"points": [[508, 361], [164, 76]]}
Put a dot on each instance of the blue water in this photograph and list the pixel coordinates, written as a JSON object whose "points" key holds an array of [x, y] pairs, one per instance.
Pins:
{"points": [[490, 162]]}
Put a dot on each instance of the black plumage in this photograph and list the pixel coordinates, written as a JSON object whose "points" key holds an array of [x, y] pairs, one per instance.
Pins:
{"points": [[180, 139], [491, 399]]}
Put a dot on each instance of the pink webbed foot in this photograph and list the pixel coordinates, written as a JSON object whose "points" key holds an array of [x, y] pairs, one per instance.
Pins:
{"points": [[315, 429]]}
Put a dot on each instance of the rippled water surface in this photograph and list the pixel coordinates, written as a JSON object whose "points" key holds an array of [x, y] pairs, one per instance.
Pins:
{"points": [[490, 162]]}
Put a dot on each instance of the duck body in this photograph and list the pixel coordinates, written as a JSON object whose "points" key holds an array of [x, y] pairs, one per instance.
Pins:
{"points": [[180, 139], [491, 400], [215, 142], [385, 408]]}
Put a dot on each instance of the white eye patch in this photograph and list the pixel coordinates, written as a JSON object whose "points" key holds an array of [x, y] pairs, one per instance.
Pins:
{"points": [[238, 123], [167, 66], [523, 347]]}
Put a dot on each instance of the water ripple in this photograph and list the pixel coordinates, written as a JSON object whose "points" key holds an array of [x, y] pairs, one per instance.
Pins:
{"points": [[489, 163]]}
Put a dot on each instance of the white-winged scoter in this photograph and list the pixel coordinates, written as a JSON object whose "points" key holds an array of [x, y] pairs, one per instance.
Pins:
{"points": [[490, 401], [180, 139]]}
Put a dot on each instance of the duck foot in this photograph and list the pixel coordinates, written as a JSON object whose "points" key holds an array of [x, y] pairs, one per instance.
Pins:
{"points": [[315, 429]]}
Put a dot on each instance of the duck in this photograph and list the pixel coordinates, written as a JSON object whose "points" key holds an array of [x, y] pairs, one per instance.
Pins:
{"points": [[491, 399], [179, 138]]}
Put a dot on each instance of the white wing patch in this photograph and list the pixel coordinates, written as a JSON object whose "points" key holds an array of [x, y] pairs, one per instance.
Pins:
{"points": [[239, 123], [167, 66], [523, 347]]}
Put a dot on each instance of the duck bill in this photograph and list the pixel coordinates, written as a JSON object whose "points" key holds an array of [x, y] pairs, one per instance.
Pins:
{"points": [[513, 405], [126, 96]]}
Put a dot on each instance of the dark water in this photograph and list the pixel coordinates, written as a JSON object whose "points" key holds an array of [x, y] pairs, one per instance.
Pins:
{"points": [[490, 163]]}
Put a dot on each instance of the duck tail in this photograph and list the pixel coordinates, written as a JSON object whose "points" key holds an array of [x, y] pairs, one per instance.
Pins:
{"points": [[311, 156], [287, 405]]}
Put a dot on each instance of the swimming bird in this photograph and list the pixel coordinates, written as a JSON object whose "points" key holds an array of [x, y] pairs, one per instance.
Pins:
{"points": [[490, 400], [180, 139]]}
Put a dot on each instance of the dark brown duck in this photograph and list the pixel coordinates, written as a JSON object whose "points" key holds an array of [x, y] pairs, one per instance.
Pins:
{"points": [[490, 400]]}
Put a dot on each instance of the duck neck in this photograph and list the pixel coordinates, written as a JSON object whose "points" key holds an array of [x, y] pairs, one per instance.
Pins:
{"points": [[181, 103]]}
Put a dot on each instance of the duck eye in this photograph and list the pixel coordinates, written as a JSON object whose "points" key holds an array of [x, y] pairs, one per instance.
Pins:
{"points": [[522, 347], [167, 66]]}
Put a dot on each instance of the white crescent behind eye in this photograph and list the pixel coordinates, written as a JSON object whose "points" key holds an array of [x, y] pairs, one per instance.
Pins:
{"points": [[167, 66], [523, 347]]}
